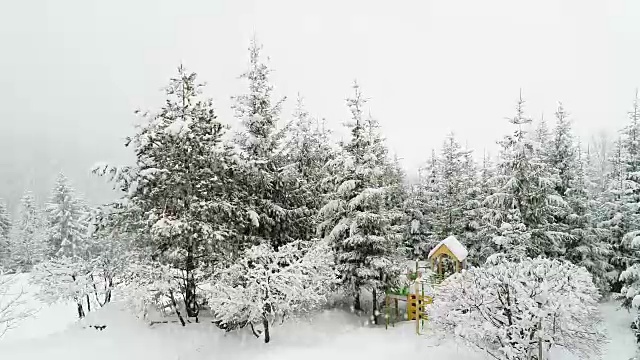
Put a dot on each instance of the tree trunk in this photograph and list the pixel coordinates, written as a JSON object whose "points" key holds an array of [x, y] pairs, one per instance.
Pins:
{"points": [[88, 303], [265, 324], [190, 288], [80, 310], [175, 307], [356, 301], [107, 294], [375, 307]]}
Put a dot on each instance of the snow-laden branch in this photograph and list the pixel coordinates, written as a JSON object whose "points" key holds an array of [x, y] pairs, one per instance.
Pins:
{"points": [[12, 303]]}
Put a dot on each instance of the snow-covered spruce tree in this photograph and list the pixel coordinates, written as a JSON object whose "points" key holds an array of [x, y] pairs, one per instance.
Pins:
{"points": [[622, 198], [355, 218], [472, 199], [271, 194], [28, 238], [629, 279], [490, 220], [598, 151], [541, 138], [526, 186], [418, 237], [617, 215], [561, 154], [5, 231], [627, 216], [179, 202], [65, 219], [423, 203], [587, 244], [268, 285], [307, 143], [306, 150], [516, 310], [396, 194], [449, 219]]}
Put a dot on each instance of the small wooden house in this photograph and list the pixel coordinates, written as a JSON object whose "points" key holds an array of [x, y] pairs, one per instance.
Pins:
{"points": [[448, 256]]}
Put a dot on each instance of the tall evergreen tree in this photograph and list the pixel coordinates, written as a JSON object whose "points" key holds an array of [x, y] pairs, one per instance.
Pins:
{"points": [[623, 205], [449, 218], [472, 198], [527, 191], [586, 245], [615, 213], [27, 241], [180, 197], [65, 216], [418, 237], [308, 148], [271, 193], [541, 138], [356, 219], [420, 208], [561, 157], [5, 231]]}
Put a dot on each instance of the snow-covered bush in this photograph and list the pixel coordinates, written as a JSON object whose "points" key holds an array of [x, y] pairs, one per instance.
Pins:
{"points": [[12, 303], [266, 285], [519, 310], [65, 279], [150, 284]]}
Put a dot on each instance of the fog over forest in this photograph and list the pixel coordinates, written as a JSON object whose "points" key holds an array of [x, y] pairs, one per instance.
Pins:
{"points": [[74, 71]]}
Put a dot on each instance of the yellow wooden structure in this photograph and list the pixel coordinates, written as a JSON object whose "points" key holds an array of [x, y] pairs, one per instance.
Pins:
{"points": [[415, 306], [447, 257]]}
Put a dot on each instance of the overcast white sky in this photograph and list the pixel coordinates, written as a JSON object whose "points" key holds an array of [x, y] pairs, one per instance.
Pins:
{"points": [[73, 71]]}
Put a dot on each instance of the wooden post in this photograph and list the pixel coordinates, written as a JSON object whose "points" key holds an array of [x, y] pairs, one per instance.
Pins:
{"points": [[417, 308], [397, 312], [386, 311]]}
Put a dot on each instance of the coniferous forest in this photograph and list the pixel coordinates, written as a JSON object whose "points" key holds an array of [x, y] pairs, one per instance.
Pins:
{"points": [[251, 227]]}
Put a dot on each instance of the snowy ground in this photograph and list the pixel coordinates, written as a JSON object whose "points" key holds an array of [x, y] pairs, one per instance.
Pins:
{"points": [[54, 334]]}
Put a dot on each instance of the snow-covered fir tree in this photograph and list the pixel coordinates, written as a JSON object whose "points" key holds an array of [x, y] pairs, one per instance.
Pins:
{"points": [[616, 217], [422, 205], [472, 198], [626, 214], [355, 218], [65, 219], [527, 187], [561, 154], [621, 208], [418, 237], [269, 192], [587, 245], [596, 167], [28, 238], [541, 138], [449, 219], [307, 149], [489, 220], [5, 231], [179, 202]]}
